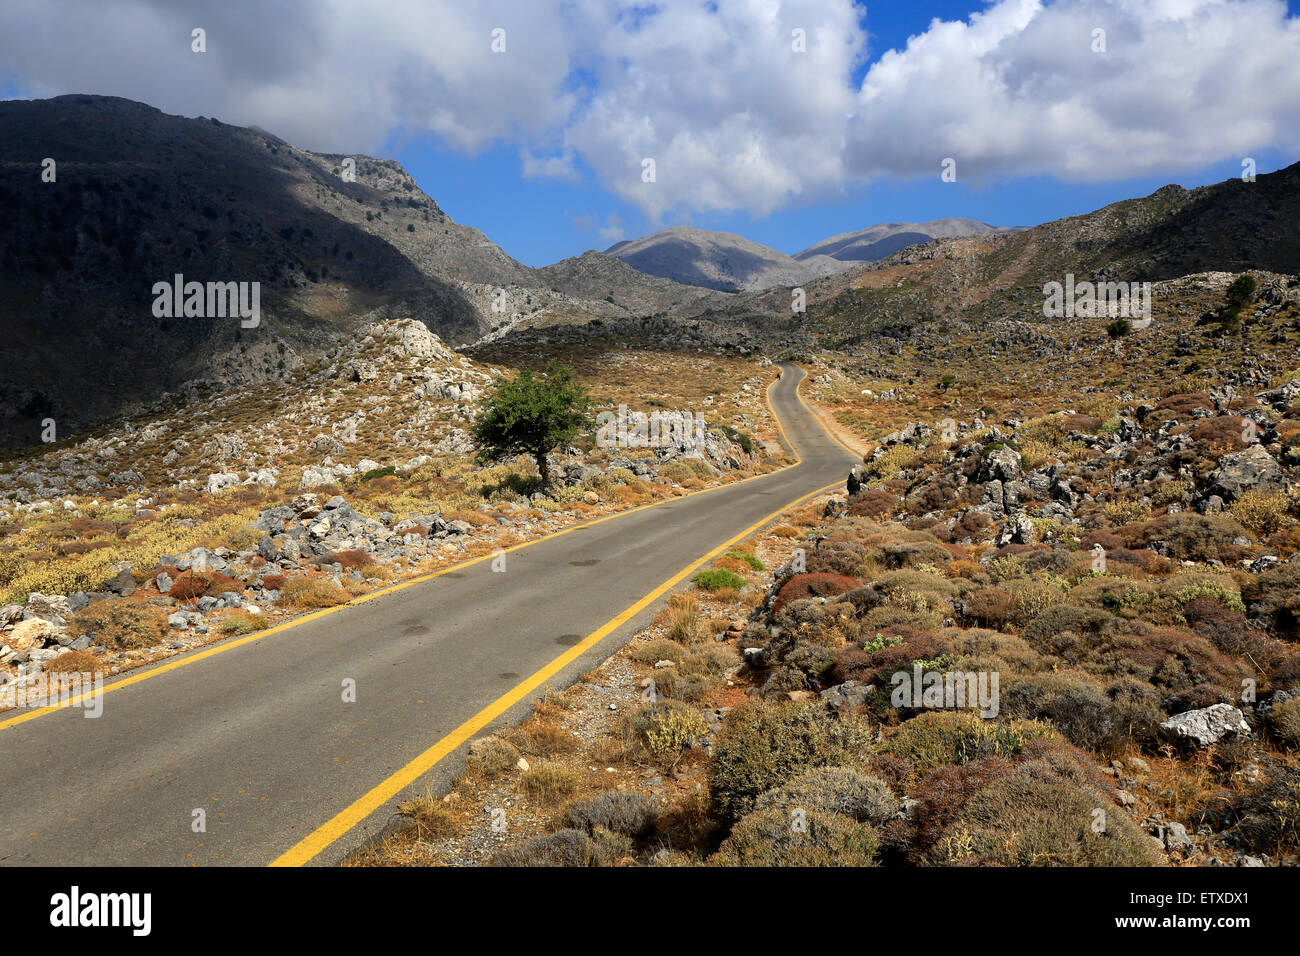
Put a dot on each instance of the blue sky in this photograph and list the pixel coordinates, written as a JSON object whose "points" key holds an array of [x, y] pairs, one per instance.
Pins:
{"points": [[538, 222], [540, 146]]}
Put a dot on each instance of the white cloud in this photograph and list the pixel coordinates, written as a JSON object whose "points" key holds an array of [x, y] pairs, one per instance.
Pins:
{"points": [[732, 116]]}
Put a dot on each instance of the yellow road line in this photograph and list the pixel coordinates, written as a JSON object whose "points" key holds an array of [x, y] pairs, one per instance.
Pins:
{"points": [[337, 826], [223, 647]]}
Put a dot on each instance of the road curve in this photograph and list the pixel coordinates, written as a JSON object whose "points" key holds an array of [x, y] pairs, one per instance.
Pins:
{"points": [[259, 738]]}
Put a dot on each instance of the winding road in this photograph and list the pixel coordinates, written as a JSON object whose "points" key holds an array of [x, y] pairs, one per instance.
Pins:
{"points": [[254, 731]]}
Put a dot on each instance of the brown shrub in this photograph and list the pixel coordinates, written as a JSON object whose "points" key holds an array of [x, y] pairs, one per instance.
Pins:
{"points": [[351, 560], [75, 662], [194, 584], [874, 503], [816, 584], [121, 625], [990, 607], [943, 793], [306, 593]]}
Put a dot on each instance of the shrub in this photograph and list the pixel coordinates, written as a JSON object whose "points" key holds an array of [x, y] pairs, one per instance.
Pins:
{"points": [[548, 782], [1108, 723], [762, 745], [990, 606], [305, 593], [628, 812], [429, 818], [873, 503], [717, 579], [121, 625], [936, 738], [351, 560], [75, 662], [1194, 537], [817, 584], [685, 626], [672, 732], [1059, 629], [659, 649], [1262, 512], [1283, 722], [833, 790], [1265, 819], [492, 756], [562, 848], [943, 793], [1033, 817], [771, 838], [1274, 596], [241, 622], [751, 559], [190, 585]]}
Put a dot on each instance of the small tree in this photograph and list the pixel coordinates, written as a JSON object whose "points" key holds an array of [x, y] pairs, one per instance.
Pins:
{"points": [[1119, 328], [532, 416]]}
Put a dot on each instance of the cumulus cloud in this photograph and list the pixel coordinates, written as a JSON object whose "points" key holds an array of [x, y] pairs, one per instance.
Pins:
{"points": [[742, 104]]}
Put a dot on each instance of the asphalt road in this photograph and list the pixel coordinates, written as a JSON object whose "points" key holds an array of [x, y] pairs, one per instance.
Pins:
{"points": [[259, 738]]}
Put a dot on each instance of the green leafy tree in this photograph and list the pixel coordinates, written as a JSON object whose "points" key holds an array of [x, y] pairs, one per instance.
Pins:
{"points": [[1240, 292], [533, 416], [1119, 328]]}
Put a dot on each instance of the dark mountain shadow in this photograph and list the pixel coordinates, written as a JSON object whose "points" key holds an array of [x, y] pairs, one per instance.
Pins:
{"points": [[141, 196]]}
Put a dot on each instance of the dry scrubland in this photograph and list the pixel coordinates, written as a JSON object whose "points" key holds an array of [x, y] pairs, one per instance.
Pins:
{"points": [[218, 514], [1109, 526]]}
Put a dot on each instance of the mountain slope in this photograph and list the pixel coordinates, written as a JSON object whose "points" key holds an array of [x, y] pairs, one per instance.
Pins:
{"points": [[716, 260], [879, 241], [140, 196]]}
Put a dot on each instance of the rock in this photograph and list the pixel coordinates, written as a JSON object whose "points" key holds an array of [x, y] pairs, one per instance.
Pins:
{"points": [[1001, 464], [853, 693], [10, 614], [523, 765], [1206, 726], [51, 607], [305, 506], [121, 583], [1176, 839], [221, 481], [1242, 471], [32, 633], [753, 656]]}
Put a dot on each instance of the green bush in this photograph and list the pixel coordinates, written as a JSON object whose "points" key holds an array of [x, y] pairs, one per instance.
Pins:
{"points": [[938, 738], [716, 579], [752, 560], [762, 745]]}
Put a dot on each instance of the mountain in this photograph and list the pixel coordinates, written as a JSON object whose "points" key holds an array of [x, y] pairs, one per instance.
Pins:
{"points": [[717, 260], [1227, 227], [139, 196], [871, 245]]}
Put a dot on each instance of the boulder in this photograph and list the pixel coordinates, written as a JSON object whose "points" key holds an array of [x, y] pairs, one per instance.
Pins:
{"points": [[1242, 471], [32, 633], [51, 607], [221, 481], [1207, 725]]}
